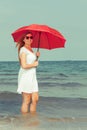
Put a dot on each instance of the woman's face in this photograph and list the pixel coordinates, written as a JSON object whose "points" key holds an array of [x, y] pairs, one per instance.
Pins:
{"points": [[28, 39]]}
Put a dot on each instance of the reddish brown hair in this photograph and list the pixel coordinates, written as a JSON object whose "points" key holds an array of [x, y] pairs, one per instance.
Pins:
{"points": [[21, 43]]}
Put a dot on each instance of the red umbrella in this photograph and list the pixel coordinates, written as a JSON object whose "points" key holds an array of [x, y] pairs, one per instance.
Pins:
{"points": [[44, 36]]}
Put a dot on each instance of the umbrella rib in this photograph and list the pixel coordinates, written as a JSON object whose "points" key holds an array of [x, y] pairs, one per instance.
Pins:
{"points": [[39, 41], [48, 41]]}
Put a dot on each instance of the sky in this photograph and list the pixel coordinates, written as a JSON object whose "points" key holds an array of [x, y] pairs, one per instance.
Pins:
{"points": [[67, 16]]}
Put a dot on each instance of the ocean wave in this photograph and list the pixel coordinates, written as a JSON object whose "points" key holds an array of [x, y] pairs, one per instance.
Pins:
{"points": [[8, 83], [72, 84], [62, 75], [68, 84], [8, 74], [7, 95]]}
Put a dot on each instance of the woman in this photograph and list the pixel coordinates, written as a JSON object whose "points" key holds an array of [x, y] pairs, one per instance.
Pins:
{"points": [[27, 81]]}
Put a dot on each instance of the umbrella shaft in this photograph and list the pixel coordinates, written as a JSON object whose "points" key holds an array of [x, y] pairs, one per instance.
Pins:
{"points": [[39, 41], [38, 44]]}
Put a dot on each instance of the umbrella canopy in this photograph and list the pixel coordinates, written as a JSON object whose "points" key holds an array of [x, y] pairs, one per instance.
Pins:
{"points": [[44, 36]]}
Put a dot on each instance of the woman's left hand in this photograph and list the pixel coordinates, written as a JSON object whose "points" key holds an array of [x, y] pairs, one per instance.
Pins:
{"points": [[38, 54]]}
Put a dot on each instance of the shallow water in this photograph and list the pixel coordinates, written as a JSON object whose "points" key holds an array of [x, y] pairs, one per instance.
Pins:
{"points": [[52, 113], [38, 122]]}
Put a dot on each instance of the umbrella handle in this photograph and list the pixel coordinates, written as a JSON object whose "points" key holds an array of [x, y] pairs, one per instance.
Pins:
{"points": [[37, 56]]}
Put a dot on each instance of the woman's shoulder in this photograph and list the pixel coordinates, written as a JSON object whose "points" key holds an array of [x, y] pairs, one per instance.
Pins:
{"points": [[22, 50]]}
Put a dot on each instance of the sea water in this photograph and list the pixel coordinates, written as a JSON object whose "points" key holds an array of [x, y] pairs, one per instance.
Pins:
{"points": [[63, 97]]}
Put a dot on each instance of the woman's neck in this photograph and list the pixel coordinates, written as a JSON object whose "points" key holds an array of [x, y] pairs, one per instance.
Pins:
{"points": [[28, 47]]}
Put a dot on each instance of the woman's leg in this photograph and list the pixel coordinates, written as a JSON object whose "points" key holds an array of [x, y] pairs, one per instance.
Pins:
{"points": [[26, 99], [33, 104]]}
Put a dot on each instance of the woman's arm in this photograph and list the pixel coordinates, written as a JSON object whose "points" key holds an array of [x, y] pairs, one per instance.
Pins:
{"points": [[37, 55], [24, 64]]}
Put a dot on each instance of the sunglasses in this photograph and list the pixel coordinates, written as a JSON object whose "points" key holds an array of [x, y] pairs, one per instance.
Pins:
{"points": [[27, 37]]}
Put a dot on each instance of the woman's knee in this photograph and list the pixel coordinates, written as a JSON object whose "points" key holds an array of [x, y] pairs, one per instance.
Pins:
{"points": [[26, 98], [35, 98]]}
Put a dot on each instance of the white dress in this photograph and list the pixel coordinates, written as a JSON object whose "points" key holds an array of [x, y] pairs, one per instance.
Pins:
{"points": [[27, 81]]}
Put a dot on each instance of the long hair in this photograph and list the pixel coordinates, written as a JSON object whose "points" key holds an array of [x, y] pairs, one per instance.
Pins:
{"points": [[21, 43]]}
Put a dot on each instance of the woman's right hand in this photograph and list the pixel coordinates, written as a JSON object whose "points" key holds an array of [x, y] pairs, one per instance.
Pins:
{"points": [[35, 63]]}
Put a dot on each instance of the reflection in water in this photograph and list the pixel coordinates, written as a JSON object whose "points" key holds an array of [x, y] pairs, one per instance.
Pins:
{"points": [[39, 122]]}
